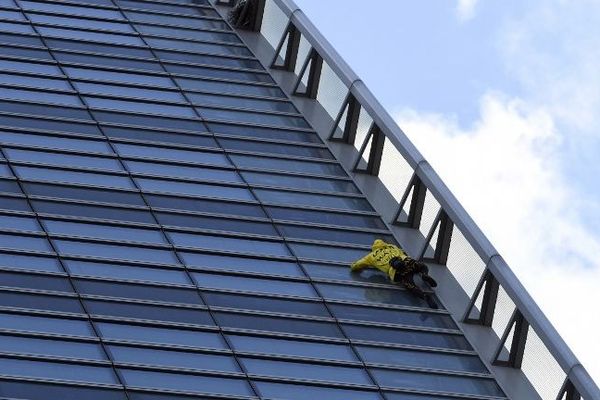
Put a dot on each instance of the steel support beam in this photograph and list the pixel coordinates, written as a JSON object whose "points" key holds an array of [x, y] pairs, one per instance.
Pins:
{"points": [[293, 35], [377, 140], [351, 107], [313, 65], [519, 340]]}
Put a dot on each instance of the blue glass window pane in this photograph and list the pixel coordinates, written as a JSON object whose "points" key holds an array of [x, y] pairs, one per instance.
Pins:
{"points": [[35, 281], [115, 252], [92, 36], [204, 59], [229, 87], [115, 76], [55, 142], [149, 312], [252, 117], [139, 291], [132, 150], [8, 4], [435, 382], [305, 392], [324, 217], [160, 136], [20, 39], [141, 107], [180, 337], [24, 52], [392, 316], [278, 164], [86, 194], [258, 303], [9, 186], [66, 160], [71, 10], [38, 391], [332, 235], [254, 284], [241, 102], [215, 223], [406, 396], [97, 47], [12, 203], [31, 123], [46, 325], [45, 83], [188, 383], [57, 348], [89, 178], [184, 33], [369, 294], [281, 325], [104, 231], [19, 261], [83, 210], [421, 359], [40, 302], [204, 205], [298, 182], [221, 242], [45, 110], [197, 47], [166, 7], [11, 15], [196, 189], [79, 23], [180, 171], [72, 372], [5, 172], [106, 60], [16, 28], [318, 200], [194, 23], [154, 122], [326, 253], [176, 359], [315, 372], [118, 271], [264, 133], [45, 97], [297, 348], [207, 72], [20, 242], [408, 337], [19, 223], [122, 91], [232, 263]]}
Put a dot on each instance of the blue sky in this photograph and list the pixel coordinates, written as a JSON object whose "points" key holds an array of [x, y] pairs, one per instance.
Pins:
{"points": [[513, 88]]}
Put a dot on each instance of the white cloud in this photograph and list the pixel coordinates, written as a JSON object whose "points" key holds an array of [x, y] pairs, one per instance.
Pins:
{"points": [[504, 169], [552, 50], [465, 9]]}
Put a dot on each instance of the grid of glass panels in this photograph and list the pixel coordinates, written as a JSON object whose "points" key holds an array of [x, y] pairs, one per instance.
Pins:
{"points": [[172, 228]]}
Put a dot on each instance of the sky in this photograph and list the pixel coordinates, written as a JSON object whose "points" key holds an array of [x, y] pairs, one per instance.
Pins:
{"points": [[503, 99]]}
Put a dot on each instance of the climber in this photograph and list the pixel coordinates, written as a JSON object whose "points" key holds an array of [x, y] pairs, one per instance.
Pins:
{"points": [[399, 267]]}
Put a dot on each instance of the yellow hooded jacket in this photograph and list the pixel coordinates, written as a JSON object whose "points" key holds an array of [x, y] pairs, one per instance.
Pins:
{"points": [[379, 257]]}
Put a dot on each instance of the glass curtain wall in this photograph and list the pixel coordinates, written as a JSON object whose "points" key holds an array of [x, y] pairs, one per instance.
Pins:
{"points": [[171, 228]]}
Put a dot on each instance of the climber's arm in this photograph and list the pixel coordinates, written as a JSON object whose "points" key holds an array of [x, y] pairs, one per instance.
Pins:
{"points": [[361, 264]]}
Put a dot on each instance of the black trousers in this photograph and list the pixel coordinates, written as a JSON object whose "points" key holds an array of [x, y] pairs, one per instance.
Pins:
{"points": [[405, 271]]}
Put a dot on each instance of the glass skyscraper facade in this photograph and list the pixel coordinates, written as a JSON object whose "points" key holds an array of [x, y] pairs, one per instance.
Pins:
{"points": [[173, 229]]}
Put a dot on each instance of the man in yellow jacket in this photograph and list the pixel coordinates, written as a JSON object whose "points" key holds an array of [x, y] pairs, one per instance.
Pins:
{"points": [[398, 266]]}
